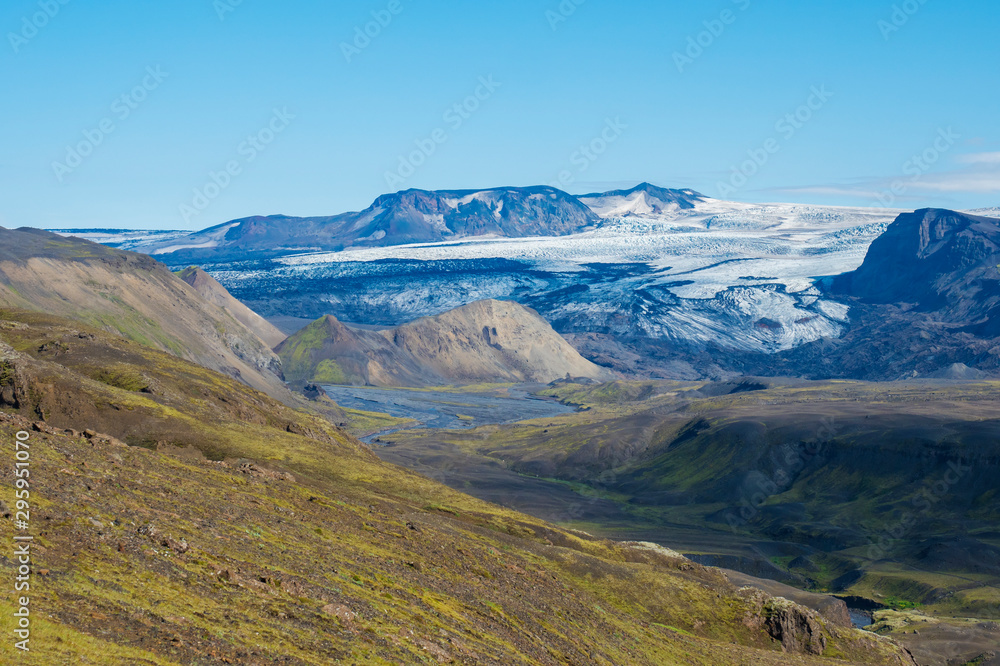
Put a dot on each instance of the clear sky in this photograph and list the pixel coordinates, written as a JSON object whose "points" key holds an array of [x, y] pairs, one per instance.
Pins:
{"points": [[119, 113]]}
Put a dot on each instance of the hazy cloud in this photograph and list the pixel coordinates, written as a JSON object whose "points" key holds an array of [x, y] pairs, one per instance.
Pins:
{"points": [[977, 173]]}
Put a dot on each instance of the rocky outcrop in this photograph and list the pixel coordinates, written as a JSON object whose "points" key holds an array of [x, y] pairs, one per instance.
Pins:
{"points": [[830, 607], [802, 631], [796, 627], [13, 385]]}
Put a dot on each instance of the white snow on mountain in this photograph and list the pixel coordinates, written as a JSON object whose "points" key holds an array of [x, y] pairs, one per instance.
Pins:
{"points": [[716, 245], [738, 275], [645, 200], [125, 239], [668, 264], [985, 212]]}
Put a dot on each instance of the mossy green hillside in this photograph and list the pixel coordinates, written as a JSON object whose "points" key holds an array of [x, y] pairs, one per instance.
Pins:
{"points": [[238, 530], [878, 490]]}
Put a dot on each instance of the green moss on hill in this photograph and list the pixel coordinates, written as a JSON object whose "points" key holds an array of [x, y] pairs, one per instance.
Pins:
{"points": [[243, 531]]}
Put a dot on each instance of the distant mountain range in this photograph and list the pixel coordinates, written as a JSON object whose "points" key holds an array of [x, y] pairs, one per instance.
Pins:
{"points": [[648, 280], [993, 211], [412, 216], [664, 265]]}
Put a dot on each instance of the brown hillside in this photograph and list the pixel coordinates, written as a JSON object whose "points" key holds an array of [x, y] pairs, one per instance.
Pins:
{"points": [[487, 341], [215, 293], [138, 298]]}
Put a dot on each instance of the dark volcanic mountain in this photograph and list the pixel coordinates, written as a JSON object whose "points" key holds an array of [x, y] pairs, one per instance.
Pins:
{"points": [[410, 216], [939, 261], [925, 302]]}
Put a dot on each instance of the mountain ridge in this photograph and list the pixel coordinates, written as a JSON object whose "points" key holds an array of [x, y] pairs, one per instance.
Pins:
{"points": [[404, 217], [422, 216], [642, 200], [210, 289], [136, 297]]}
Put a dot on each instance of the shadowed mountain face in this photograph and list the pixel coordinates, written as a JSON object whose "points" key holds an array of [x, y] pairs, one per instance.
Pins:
{"points": [[938, 260], [925, 302], [945, 264], [486, 341]]}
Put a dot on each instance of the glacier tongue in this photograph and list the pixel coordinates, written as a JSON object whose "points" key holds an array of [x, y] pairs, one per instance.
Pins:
{"points": [[664, 264], [736, 275]]}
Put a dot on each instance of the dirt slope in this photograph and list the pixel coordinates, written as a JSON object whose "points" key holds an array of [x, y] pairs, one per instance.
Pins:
{"points": [[136, 297], [215, 293], [486, 341]]}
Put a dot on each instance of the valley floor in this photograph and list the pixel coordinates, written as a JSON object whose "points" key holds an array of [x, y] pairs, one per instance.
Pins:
{"points": [[653, 461]]}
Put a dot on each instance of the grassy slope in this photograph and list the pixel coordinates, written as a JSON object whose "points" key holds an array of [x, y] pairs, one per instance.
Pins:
{"points": [[135, 296], [855, 457], [179, 550]]}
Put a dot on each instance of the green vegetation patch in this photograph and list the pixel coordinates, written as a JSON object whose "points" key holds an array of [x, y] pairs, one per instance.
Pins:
{"points": [[121, 376], [328, 372]]}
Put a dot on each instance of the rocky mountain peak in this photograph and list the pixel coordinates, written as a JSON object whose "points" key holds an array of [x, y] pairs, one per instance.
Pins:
{"points": [[927, 257]]}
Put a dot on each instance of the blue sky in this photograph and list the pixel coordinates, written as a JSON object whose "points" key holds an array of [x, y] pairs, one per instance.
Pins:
{"points": [[186, 114]]}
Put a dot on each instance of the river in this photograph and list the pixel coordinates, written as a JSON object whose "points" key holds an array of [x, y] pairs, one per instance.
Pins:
{"points": [[448, 409]]}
